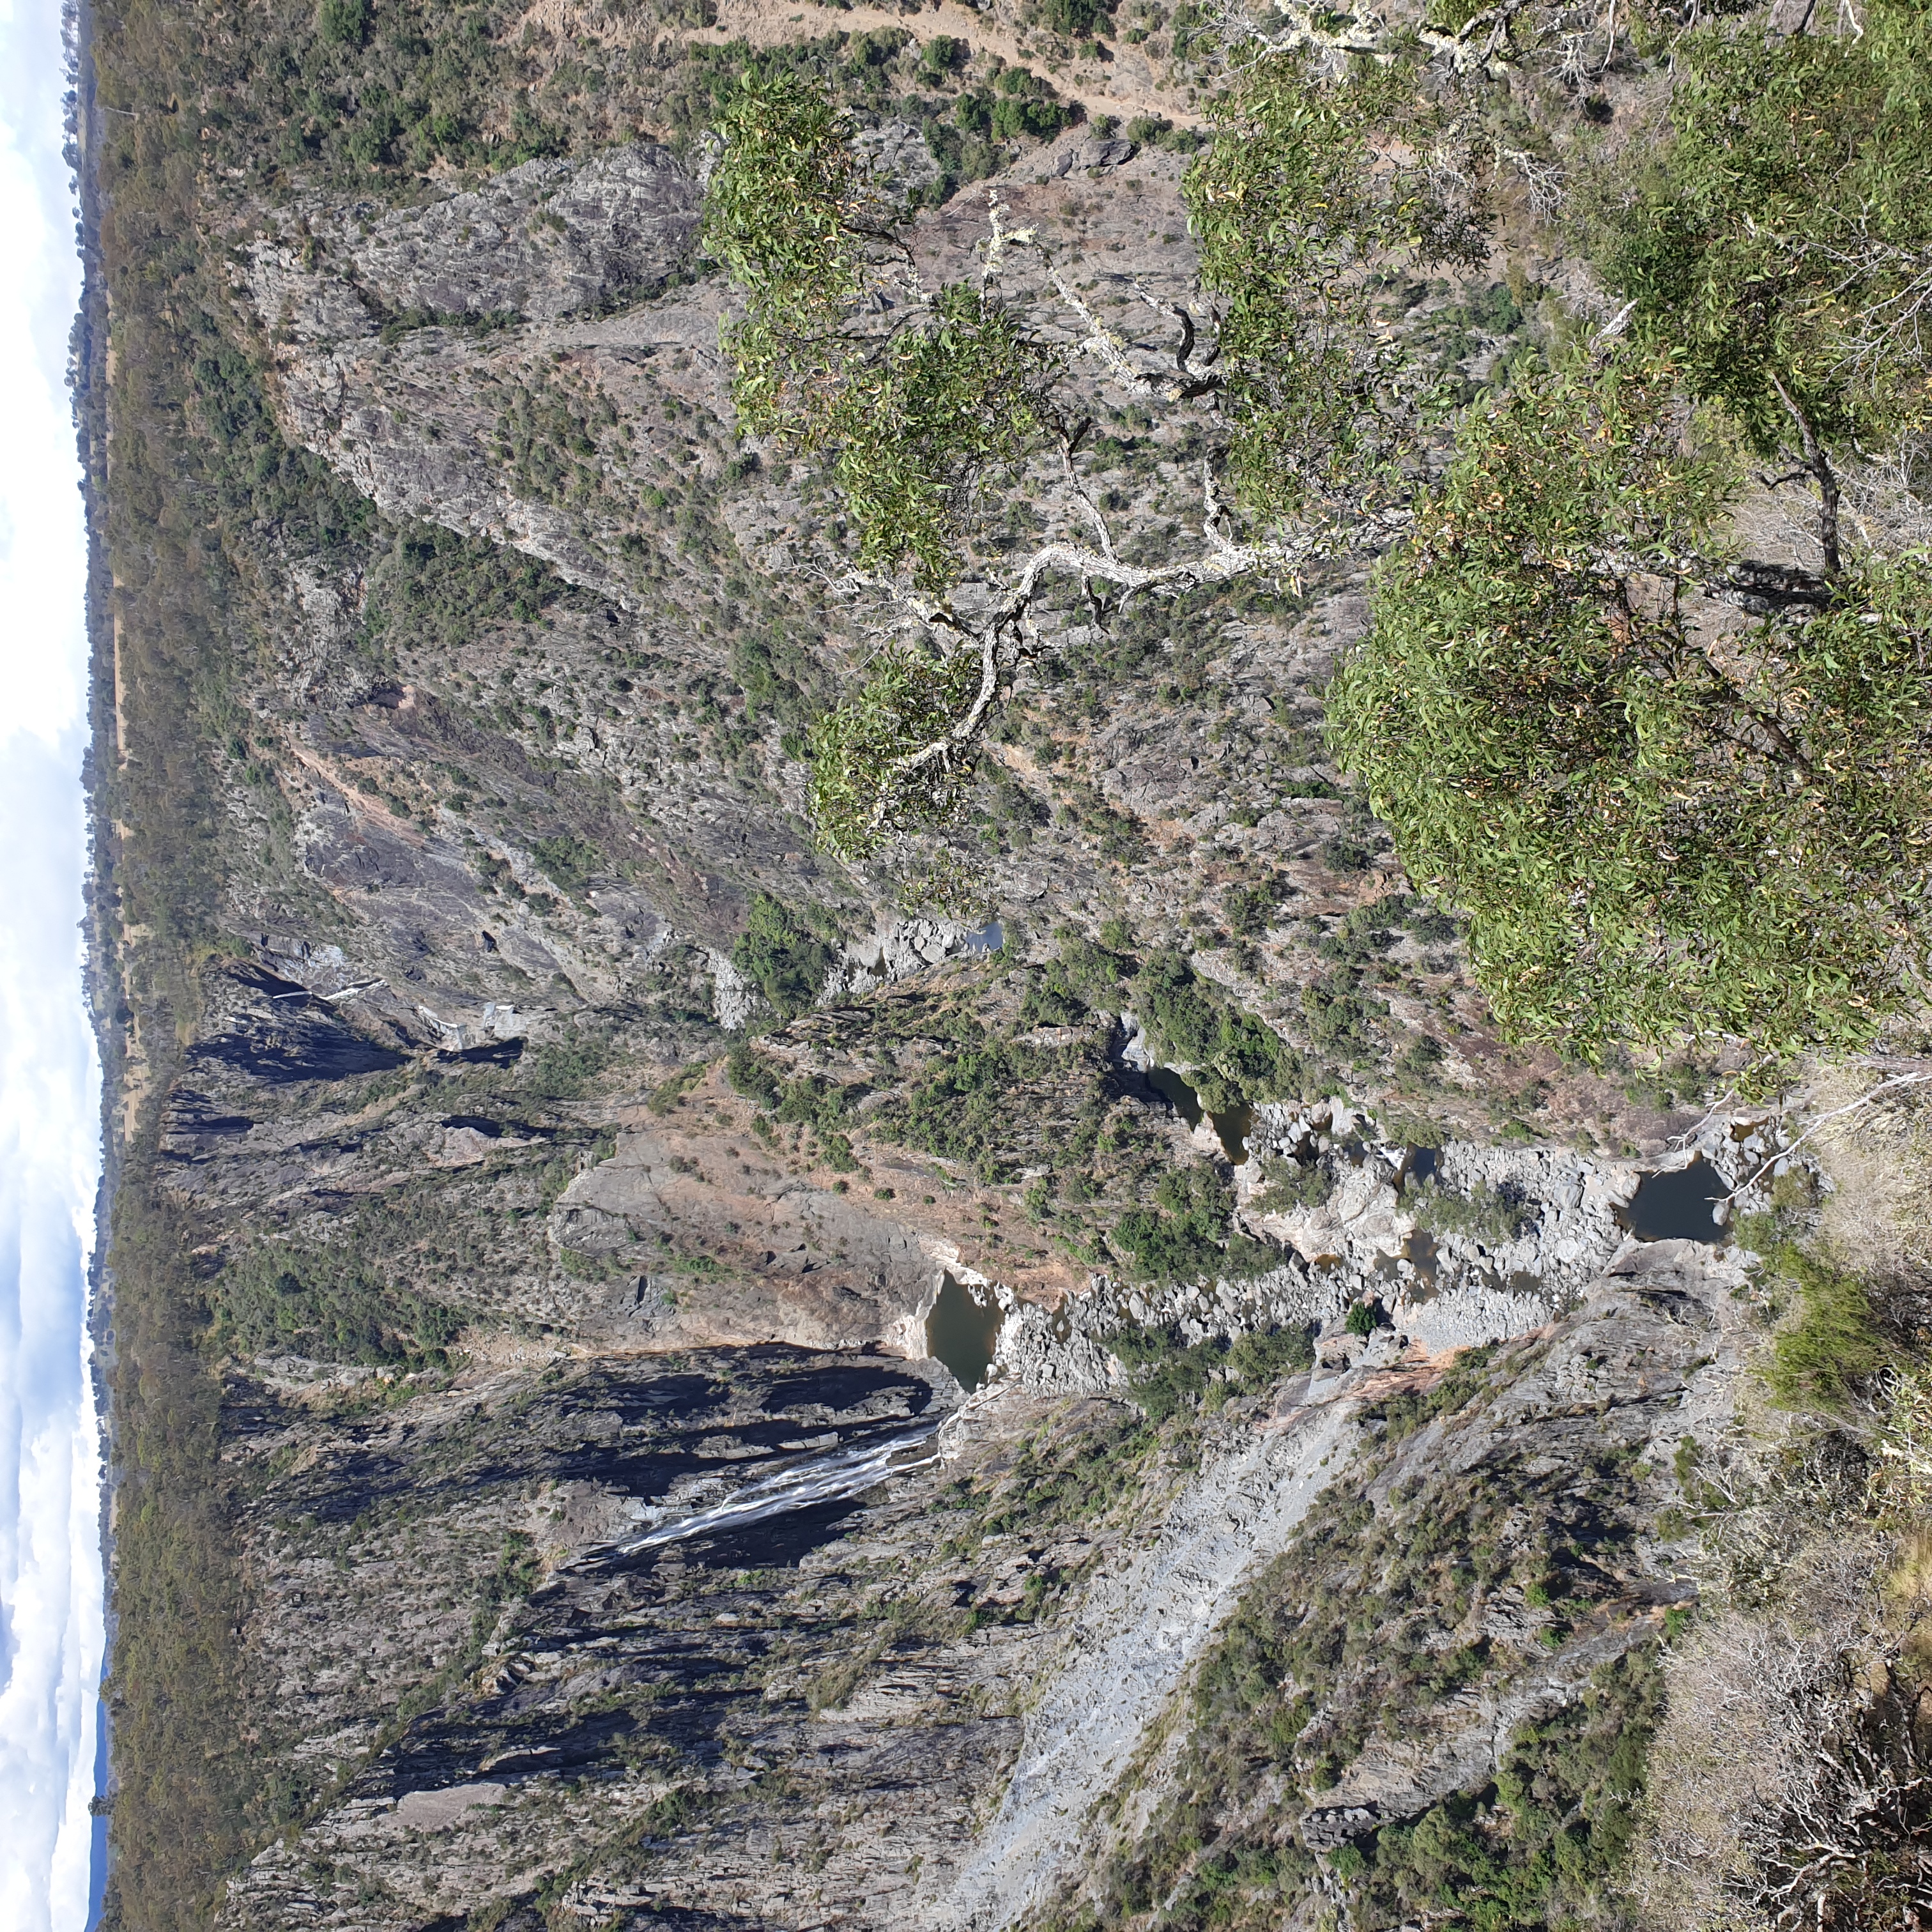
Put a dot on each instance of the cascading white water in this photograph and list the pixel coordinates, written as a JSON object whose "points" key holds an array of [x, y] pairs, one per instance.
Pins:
{"points": [[845, 1472]]}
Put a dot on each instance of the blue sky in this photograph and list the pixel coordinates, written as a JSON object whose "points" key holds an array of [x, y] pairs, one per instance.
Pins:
{"points": [[50, 1592]]}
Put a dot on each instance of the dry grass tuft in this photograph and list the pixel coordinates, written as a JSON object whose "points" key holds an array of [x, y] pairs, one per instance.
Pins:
{"points": [[1909, 1586], [1878, 1219]]}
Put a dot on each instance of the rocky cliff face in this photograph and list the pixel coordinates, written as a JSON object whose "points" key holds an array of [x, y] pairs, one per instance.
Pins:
{"points": [[770, 1637], [556, 1166]]}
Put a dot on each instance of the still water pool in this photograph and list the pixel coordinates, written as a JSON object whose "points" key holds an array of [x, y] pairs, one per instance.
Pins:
{"points": [[1678, 1206], [1232, 1128], [963, 1331]]}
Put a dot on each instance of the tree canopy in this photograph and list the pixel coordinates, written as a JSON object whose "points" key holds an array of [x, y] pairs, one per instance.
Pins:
{"points": [[915, 400], [1680, 789], [1778, 241], [1312, 185], [1782, 232], [1663, 815]]}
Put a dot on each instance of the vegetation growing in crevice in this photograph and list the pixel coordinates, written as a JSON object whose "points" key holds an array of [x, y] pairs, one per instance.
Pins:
{"points": [[1493, 1215], [1187, 1234], [1168, 1376], [785, 957], [1362, 1629]]}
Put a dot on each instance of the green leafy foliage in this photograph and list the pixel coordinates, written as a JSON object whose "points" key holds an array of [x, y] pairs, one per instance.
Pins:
{"points": [[1019, 104], [255, 473], [1404, 1412], [914, 405], [1540, 1848], [569, 861], [1251, 908], [915, 415], [547, 433], [1170, 1377], [1654, 833], [1300, 191], [969, 1104], [782, 955], [1290, 1187], [436, 590], [1231, 1054], [872, 778], [1777, 239], [666, 1095], [330, 1306], [781, 211], [348, 90], [750, 1074], [1186, 1235], [1077, 20], [920, 429], [773, 667], [1836, 1348], [564, 1069], [812, 1101], [337, 21], [809, 1101], [1491, 1215]]}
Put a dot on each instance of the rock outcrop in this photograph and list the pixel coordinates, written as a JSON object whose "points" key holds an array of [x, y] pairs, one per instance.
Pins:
{"points": [[678, 1614], [542, 1166]]}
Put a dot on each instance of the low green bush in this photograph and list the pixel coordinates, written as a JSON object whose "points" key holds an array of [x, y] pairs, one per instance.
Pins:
{"points": [[1489, 1215], [667, 1093], [1556, 1825], [563, 1070], [1287, 1186], [328, 1305], [1188, 1235], [1168, 1376], [568, 862], [1234, 1055], [1836, 1346], [750, 1074], [811, 1101], [782, 955], [1264, 1357]]}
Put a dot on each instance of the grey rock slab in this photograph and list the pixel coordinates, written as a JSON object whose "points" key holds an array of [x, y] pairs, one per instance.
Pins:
{"points": [[436, 1811], [828, 1268], [540, 241], [1135, 1635]]}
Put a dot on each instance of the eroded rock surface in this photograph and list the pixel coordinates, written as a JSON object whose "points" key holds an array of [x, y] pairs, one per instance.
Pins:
{"points": [[682, 1613], [565, 1246]]}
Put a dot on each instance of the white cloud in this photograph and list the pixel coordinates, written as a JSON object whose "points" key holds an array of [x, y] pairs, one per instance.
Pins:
{"points": [[50, 1594], [49, 1556]]}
